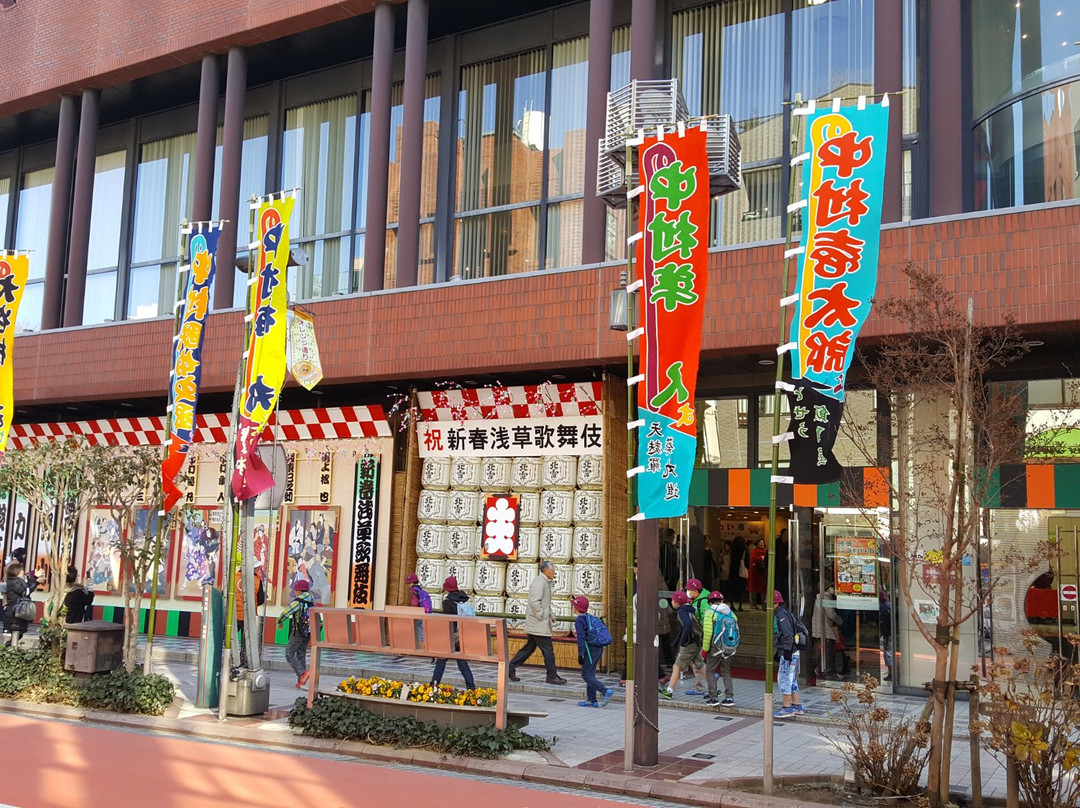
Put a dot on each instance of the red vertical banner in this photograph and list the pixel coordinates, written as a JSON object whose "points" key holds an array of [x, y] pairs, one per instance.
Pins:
{"points": [[673, 260]]}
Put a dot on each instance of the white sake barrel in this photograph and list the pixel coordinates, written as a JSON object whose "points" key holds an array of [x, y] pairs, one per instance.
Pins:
{"points": [[486, 604], [517, 606], [559, 472], [560, 607], [462, 541], [431, 573], [588, 543], [463, 507], [490, 577], [519, 577], [590, 472], [465, 473], [556, 507], [563, 584], [556, 543], [588, 580], [435, 473], [525, 473], [464, 571], [495, 473], [528, 507], [588, 507], [431, 540], [432, 507], [596, 606], [436, 601], [528, 543]]}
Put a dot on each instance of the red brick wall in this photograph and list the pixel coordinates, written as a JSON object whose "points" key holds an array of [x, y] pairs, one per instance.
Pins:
{"points": [[52, 46], [1025, 263]]}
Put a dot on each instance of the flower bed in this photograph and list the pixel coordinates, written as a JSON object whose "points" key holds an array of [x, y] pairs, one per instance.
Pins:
{"points": [[378, 687]]}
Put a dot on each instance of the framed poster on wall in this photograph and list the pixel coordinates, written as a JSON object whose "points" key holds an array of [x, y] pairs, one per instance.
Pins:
{"points": [[146, 528], [101, 570], [200, 551], [311, 549], [265, 531]]}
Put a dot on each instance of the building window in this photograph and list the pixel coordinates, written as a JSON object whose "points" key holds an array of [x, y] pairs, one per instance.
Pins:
{"points": [[32, 234], [615, 220], [5, 194], [428, 182], [252, 184], [103, 257], [724, 432], [319, 158], [500, 167]]}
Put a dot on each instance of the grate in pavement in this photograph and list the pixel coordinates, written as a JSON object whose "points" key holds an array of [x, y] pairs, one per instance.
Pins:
{"points": [[703, 756], [723, 718], [556, 700]]}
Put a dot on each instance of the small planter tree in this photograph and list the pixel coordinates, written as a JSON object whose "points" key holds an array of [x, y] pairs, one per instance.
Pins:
{"points": [[58, 479]]}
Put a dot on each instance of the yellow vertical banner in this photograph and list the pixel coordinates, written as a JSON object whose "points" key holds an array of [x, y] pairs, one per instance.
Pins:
{"points": [[13, 272]]}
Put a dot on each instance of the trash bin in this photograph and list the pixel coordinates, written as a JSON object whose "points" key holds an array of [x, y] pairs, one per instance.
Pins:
{"points": [[95, 646]]}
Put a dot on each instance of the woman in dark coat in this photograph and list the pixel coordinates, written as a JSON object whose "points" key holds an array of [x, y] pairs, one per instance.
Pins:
{"points": [[15, 588]]}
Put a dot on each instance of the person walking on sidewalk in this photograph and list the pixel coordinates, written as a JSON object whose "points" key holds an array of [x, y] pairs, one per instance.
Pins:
{"points": [[592, 638], [785, 628], [454, 602], [688, 655], [299, 630], [418, 596], [825, 622], [699, 599], [538, 624], [721, 641]]}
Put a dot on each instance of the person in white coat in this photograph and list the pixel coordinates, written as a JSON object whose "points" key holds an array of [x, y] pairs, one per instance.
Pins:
{"points": [[538, 624], [825, 625]]}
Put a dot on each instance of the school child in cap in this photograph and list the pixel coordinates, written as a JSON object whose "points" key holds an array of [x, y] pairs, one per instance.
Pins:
{"points": [[592, 638], [299, 630], [455, 602], [418, 596], [721, 640], [688, 655]]}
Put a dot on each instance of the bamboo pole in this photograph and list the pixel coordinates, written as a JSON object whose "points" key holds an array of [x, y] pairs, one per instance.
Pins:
{"points": [[631, 450]]}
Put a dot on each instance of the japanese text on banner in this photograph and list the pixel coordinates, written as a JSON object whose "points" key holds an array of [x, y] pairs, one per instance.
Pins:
{"points": [[673, 257], [837, 274], [265, 368], [187, 359], [14, 270]]}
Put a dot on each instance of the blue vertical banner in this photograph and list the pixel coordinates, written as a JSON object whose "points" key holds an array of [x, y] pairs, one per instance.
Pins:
{"points": [[843, 183]]}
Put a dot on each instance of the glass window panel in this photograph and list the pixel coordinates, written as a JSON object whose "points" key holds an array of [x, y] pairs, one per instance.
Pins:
{"points": [[165, 181], [29, 316], [566, 128], [832, 48], [564, 234], [766, 407], [430, 159], [500, 243], [151, 290], [426, 271], [910, 100], [501, 132], [252, 173], [364, 164], [724, 432], [615, 218], [32, 224], [905, 215], [5, 198], [99, 303], [856, 443], [319, 158], [753, 213], [108, 203]]}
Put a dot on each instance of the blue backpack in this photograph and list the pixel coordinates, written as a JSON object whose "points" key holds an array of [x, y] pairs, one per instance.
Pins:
{"points": [[466, 610], [597, 633], [726, 634]]}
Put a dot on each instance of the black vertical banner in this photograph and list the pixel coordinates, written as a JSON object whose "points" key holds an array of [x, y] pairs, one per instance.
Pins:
{"points": [[815, 423], [365, 524]]}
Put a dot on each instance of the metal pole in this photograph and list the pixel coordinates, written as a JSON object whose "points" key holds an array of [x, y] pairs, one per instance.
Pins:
{"points": [[631, 492], [770, 539], [1057, 604]]}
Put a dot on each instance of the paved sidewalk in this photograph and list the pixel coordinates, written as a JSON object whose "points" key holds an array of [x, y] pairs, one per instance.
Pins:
{"points": [[698, 745]]}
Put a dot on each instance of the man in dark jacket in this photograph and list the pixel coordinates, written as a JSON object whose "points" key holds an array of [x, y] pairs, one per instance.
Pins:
{"points": [[453, 598], [785, 628], [736, 583]]}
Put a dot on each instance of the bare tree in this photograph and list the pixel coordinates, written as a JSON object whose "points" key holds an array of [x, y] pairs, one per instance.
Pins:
{"points": [[951, 430], [58, 479]]}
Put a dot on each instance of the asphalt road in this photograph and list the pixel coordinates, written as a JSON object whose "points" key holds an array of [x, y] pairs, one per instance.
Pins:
{"points": [[64, 764]]}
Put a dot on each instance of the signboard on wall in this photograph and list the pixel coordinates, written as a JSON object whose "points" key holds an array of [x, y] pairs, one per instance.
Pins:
{"points": [[499, 541], [512, 437], [856, 573], [365, 526]]}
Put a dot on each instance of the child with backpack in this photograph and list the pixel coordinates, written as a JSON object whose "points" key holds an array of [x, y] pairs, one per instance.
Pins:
{"points": [[688, 643], [592, 638], [721, 632], [791, 638], [418, 596], [299, 630], [455, 602]]}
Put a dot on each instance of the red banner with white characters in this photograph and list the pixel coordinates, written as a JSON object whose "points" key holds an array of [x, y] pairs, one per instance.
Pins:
{"points": [[673, 257]]}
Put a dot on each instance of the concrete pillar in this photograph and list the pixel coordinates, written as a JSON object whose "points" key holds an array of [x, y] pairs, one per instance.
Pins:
{"points": [[889, 78], [379, 148], [593, 215], [206, 139], [946, 137], [232, 151], [412, 145], [53, 292], [642, 39], [81, 206]]}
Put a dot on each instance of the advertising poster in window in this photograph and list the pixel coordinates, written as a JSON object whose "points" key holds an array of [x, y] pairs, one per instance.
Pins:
{"points": [[101, 572], [146, 533], [837, 265], [200, 551], [265, 533], [311, 544], [856, 573]]}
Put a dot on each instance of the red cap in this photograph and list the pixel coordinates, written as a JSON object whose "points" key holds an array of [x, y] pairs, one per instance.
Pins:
{"points": [[412, 578], [580, 603], [450, 584]]}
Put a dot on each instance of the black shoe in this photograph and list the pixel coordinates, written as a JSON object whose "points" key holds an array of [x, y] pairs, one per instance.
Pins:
{"points": [[512, 676], [555, 680]]}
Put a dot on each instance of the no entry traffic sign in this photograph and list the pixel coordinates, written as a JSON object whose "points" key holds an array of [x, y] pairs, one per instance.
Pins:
{"points": [[1068, 593]]}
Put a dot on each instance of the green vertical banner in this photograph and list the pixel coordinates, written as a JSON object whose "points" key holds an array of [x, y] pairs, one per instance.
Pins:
{"points": [[365, 534]]}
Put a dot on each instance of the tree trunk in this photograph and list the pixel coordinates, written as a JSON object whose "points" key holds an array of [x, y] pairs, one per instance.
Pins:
{"points": [[132, 615], [937, 725]]}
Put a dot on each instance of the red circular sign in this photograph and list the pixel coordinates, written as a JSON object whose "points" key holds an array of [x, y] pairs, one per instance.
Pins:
{"points": [[1068, 593]]}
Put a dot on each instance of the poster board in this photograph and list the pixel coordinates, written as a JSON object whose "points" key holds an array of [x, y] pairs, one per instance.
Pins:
{"points": [[311, 550], [856, 573], [200, 551], [101, 561]]}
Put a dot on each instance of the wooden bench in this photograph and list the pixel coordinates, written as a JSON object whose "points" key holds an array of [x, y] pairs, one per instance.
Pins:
{"points": [[396, 631]]}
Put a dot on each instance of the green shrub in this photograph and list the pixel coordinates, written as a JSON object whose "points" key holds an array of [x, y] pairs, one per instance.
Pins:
{"points": [[125, 692], [38, 675], [346, 720]]}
